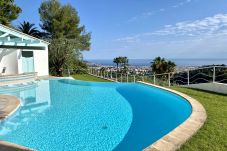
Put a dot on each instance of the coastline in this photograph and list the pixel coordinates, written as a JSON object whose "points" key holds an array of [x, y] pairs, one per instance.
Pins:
{"points": [[143, 63]]}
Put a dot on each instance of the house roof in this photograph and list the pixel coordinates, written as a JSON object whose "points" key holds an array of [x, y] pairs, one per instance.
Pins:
{"points": [[10, 37]]}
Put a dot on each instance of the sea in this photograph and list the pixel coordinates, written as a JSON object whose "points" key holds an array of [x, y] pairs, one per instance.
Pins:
{"points": [[147, 62]]}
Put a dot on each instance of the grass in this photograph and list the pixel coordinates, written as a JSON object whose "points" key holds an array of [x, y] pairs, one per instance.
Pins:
{"points": [[87, 77], [213, 135]]}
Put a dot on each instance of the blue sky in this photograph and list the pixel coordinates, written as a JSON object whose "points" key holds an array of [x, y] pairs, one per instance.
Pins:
{"points": [[144, 29]]}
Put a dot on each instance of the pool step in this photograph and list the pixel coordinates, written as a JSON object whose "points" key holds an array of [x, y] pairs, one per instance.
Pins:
{"points": [[17, 87], [18, 78], [33, 106]]}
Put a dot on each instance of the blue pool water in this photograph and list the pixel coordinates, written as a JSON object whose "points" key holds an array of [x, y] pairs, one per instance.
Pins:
{"points": [[84, 116]]}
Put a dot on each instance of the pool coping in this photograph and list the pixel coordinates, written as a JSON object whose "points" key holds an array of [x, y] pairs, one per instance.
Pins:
{"points": [[170, 142], [12, 104], [178, 136]]}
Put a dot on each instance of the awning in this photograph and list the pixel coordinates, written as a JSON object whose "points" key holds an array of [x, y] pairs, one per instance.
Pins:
{"points": [[22, 47], [12, 39]]}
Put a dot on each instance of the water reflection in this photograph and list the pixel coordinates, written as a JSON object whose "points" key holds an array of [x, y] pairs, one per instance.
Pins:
{"points": [[35, 99]]}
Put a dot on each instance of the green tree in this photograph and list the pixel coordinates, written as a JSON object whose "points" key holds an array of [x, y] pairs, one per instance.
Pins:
{"points": [[123, 61], [9, 11], [29, 29], [80, 67], [68, 38], [61, 21], [171, 66], [117, 61], [62, 55], [161, 65]]}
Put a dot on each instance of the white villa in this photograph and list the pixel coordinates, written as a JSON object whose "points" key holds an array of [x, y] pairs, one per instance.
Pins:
{"points": [[21, 53]]}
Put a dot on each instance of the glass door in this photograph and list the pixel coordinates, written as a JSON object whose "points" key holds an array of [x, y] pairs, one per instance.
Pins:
{"points": [[27, 61]]}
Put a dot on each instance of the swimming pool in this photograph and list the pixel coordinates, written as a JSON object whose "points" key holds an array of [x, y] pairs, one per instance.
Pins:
{"points": [[76, 115]]}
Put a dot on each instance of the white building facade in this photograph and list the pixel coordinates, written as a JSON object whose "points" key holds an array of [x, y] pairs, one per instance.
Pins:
{"points": [[21, 53]]}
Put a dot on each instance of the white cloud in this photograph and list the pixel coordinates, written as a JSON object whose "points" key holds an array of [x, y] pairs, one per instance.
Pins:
{"points": [[199, 38], [208, 47], [142, 15], [216, 24], [181, 3], [151, 13], [209, 26], [129, 39]]}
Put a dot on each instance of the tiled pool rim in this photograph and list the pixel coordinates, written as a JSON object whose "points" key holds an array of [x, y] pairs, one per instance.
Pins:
{"points": [[170, 142], [177, 137]]}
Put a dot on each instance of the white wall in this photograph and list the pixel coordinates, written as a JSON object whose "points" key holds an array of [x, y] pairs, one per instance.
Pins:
{"points": [[8, 59], [41, 63], [19, 61], [13, 61], [214, 87]]}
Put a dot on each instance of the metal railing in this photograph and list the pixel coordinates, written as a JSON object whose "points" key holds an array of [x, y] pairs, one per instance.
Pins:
{"points": [[208, 74]]}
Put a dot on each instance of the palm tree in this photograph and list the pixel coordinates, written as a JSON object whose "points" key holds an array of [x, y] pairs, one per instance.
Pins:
{"points": [[29, 29], [160, 65], [157, 65], [117, 60], [124, 61], [171, 66]]}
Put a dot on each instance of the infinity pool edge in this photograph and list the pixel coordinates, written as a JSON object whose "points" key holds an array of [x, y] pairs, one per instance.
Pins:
{"points": [[177, 137]]}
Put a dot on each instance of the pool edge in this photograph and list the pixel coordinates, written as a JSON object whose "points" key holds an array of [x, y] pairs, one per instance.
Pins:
{"points": [[177, 137], [13, 104], [170, 142]]}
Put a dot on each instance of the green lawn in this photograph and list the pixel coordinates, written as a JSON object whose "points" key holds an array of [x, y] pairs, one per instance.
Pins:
{"points": [[213, 135], [87, 77]]}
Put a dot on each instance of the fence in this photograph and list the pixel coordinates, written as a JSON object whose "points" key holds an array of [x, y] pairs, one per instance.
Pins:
{"points": [[209, 74]]}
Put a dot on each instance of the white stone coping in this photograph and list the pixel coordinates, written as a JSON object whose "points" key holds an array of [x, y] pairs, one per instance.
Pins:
{"points": [[170, 142], [177, 137], [53, 77]]}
